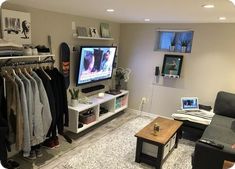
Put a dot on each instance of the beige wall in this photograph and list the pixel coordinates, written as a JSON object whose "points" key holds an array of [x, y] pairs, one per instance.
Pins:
{"points": [[208, 69], [59, 27]]}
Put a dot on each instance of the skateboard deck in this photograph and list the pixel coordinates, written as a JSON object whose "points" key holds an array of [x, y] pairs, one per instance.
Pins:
{"points": [[65, 62]]}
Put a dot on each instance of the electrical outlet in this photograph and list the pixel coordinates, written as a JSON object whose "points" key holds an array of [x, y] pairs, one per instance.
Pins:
{"points": [[143, 100]]}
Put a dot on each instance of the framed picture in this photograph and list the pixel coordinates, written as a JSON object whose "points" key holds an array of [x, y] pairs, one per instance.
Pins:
{"points": [[104, 29], [82, 31], [172, 65], [94, 33], [16, 26]]}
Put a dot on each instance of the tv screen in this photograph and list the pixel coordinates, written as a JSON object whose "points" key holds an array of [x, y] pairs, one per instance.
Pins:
{"points": [[95, 64], [172, 65]]}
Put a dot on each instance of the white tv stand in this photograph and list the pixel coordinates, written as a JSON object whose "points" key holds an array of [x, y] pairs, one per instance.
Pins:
{"points": [[113, 103]]}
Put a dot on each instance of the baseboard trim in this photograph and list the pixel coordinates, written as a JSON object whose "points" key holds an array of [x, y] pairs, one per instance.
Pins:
{"points": [[129, 110]]}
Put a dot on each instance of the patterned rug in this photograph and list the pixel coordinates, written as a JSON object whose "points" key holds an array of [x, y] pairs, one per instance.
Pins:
{"points": [[116, 150]]}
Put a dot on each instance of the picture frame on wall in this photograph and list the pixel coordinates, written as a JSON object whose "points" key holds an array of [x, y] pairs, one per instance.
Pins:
{"points": [[16, 26], [172, 65], [93, 32], [105, 31], [82, 31]]}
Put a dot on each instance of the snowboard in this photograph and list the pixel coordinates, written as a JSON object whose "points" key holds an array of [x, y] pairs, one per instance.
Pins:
{"points": [[65, 62]]}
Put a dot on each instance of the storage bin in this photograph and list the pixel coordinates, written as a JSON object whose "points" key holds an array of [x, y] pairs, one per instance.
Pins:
{"points": [[87, 117]]}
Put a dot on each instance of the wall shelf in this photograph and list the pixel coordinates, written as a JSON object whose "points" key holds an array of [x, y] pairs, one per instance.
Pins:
{"points": [[26, 57], [94, 38]]}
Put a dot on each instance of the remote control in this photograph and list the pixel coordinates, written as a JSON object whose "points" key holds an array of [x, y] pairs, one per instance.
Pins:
{"points": [[212, 143]]}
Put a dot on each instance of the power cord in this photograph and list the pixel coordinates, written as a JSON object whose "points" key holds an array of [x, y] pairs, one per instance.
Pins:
{"points": [[141, 106]]}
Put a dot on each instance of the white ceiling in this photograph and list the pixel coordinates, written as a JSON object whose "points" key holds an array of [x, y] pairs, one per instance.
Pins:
{"points": [[135, 11]]}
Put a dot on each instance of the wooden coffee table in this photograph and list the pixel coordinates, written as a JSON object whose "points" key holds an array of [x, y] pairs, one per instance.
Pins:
{"points": [[154, 149]]}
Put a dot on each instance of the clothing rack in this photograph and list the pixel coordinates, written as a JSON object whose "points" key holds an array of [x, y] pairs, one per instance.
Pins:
{"points": [[9, 63]]}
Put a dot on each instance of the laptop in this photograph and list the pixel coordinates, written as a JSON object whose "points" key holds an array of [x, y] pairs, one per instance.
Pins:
{"points": [[190, 104]]}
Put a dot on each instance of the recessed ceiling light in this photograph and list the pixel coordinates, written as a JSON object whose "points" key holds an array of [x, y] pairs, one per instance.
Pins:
{"points": [[110, 10], [147, 20], [222, 18], [208, 6], [233, 1], [1, 1]]}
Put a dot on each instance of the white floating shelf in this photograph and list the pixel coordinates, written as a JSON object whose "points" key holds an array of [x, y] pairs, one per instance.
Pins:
{"points": [[93, 38], [25, 57]]}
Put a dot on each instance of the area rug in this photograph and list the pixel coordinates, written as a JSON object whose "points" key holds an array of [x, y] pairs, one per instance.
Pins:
{"points": [[116, 150]]}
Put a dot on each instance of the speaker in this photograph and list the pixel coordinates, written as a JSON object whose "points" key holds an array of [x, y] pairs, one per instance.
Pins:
{"points": [[157, 71], [93, 88]]}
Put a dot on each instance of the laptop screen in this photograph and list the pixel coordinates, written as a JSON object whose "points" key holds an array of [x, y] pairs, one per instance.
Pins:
{"points": [[189, 103]]}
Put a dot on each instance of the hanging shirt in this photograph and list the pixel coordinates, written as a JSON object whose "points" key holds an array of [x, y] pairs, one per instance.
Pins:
{"points": [[15, 116], [23, 102], [3, 105], [29, 97], [36, 105], [46, 112], [60, 95], [47, 85]]}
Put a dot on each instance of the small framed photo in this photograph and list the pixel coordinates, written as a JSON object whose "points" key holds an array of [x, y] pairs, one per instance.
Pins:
{"points": [[82, 31], [172, 65], [94, 33], [16, 26], [104, 29]]}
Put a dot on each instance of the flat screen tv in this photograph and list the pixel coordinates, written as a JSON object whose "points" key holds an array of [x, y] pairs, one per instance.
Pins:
{"points": [[172, 65], [95, 63]]}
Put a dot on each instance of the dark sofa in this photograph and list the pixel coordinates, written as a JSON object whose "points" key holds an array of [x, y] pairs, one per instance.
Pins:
{"points": [[222, 131]]}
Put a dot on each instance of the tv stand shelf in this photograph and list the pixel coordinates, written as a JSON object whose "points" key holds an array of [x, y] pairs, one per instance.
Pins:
{"points": [[113, 103]]}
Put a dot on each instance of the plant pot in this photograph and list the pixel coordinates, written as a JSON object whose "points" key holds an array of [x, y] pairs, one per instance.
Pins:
{"points": [[74, 102], [172, 48], [118, 87], [183, 49]]}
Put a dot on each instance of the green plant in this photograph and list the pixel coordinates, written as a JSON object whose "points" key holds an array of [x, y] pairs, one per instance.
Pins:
{"points": [[74, 93], [172, 43], [185, 43]]}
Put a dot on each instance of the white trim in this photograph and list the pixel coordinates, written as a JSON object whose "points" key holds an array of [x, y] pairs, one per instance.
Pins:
{"points": [[173, 30], [129, 110]]}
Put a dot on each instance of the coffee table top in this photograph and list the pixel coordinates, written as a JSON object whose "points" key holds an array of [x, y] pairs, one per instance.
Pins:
{"points": [[167, 129]]}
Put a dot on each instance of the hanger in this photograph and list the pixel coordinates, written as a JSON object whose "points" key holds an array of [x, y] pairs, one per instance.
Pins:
{"points": [[30, 70], [45, 73], [26, 72], [13, 72], [19, 70]]}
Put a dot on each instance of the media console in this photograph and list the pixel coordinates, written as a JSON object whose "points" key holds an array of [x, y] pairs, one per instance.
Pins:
{"points": [[113, 103]]}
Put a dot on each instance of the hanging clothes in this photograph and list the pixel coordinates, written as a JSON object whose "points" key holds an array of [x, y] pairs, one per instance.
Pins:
{"points": [[59, 90], [48, 88], [23, 101], [4, 130], [15, 115], [3, 141], [3, 105], [46, 112]]}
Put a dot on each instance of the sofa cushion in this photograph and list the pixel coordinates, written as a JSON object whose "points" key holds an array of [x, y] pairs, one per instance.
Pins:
{"points": [[225, 104], [223, 121], [219, 134]]}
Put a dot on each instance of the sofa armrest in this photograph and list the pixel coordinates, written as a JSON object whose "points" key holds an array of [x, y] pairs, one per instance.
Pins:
{"points": [[206, 156]]}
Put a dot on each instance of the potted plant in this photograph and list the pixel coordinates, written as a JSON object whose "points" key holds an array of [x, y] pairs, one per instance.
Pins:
{"points": [[184, 45], [172, 47], [122, 74], [74, 96]]}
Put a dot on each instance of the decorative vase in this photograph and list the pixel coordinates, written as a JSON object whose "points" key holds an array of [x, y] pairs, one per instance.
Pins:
{"points": [[183, 49], [74, 102], [172, 48]]}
